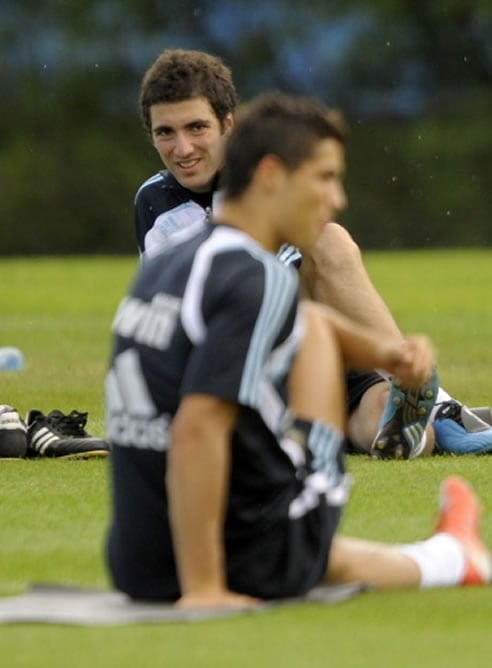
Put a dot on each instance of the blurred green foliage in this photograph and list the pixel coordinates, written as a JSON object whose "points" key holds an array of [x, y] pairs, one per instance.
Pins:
{"points": [[425, 182], [414, 79]]}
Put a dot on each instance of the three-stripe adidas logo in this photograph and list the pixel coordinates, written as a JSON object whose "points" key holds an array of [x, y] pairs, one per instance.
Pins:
{"points": [[42, 439]]}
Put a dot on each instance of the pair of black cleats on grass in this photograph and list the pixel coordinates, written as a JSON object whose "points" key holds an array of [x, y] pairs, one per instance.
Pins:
{"points": [[52, 435]]}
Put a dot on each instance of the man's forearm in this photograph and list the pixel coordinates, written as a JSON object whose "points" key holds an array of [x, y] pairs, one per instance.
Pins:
{"points": [[197, 484], [360, 347], [410, 359]]}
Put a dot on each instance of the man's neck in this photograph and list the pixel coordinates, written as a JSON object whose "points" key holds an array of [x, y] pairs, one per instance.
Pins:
{"points": [[246, 217]]}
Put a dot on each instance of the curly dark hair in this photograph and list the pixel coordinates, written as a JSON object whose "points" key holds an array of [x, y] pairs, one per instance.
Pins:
{"points": [[180, 74]]}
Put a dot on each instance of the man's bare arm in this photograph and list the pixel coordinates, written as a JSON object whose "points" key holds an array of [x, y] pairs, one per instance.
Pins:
{"points": [[197, 483], [410, 359]]}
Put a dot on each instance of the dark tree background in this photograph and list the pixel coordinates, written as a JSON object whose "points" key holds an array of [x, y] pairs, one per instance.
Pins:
{"points": [[414, 79]]}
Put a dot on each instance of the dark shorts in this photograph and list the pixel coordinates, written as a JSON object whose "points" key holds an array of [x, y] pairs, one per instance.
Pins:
{"points": [[287, 560], [358, 382], [272, 556]]}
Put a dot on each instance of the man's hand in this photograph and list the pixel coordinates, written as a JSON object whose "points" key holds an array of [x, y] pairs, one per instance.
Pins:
{"points": [[217, 599], [412, 361]]}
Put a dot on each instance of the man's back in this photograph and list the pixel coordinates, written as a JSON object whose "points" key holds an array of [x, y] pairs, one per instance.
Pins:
{"points": [[216, 318]]}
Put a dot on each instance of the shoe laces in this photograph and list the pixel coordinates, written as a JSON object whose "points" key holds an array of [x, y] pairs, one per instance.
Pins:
{"points": [[450, 410], [72, 424]]}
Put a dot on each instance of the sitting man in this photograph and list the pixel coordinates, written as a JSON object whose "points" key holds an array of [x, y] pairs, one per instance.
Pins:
{"points": [[187, 103], [227, 462]]}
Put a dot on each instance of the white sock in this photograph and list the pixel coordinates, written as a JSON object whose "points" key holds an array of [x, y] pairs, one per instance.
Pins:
{"points": [[442, 396], [440, 559]]}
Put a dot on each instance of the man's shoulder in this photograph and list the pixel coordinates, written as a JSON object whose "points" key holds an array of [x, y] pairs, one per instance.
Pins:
{"points": [[160, 182], [243, 260]]}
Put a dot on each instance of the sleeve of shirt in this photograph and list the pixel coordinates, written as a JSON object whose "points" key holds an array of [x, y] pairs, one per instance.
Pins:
{"points": [[247, 310], [143, 219]]}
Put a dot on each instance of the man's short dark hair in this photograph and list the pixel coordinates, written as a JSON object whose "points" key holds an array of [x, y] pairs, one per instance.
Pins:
{"points": [[181, 74], [274, 123]]}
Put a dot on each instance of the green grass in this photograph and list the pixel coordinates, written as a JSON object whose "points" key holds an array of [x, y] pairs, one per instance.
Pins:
{"points": [[54, 514], [59, 312]]}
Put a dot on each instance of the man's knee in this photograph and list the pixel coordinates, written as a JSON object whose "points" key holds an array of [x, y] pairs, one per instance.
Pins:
{"points": [[336, 260], [336, 248]]}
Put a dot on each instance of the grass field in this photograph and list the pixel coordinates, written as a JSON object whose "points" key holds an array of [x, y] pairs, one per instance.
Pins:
{"points": [[54, 513]]}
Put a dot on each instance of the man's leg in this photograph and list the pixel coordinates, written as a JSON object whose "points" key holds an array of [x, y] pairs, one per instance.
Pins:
{"points": [[318, 357], [319, 407], [454, 555], [335, 275], [365, 420], [453, 428], [367, 394]]}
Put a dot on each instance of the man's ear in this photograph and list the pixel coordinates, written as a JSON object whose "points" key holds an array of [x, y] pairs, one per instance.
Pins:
{"points": [[228, 124], [270, 172]]}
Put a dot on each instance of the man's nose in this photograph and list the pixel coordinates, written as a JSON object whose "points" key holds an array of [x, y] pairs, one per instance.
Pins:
{"points": [[183, 145], [339, 197]]}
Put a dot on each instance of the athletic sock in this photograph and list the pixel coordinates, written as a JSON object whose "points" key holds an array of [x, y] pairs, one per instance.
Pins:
{"points": [[324, 442], [440, 559], [442, 397], [326, 446]]}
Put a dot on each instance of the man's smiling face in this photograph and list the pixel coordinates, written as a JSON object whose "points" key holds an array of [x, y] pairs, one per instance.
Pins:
{"points": [[190, 140]]}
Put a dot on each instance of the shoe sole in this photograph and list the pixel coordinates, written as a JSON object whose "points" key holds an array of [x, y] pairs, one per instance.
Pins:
{"points": [[399, 438], [92, 454]]}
